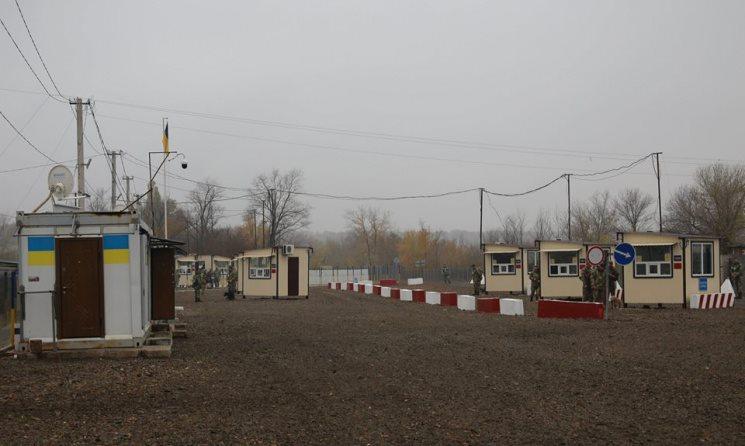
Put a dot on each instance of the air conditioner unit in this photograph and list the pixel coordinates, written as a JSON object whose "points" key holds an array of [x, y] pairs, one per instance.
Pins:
{"points": [[288, 249]]}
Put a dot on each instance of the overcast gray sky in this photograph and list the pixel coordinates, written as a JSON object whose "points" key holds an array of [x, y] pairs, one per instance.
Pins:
{"points": [[606, 80]]}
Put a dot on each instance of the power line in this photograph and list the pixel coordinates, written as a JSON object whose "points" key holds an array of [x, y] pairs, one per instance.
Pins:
{"points": [[38, 109], [37, 166], [28, 64], [106, 150], [24, 138], [37, 49]]}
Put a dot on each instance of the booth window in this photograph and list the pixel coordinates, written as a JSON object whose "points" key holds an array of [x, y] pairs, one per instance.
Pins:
{"points": [[654, 261], [503, 263], [702, 259], [259, 268], [562, 263]]}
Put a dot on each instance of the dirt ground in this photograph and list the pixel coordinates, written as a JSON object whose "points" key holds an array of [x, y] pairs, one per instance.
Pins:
{"points": [[340, 368]]}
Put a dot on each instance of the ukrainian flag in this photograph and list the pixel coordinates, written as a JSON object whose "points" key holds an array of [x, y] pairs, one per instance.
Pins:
{"points": [[165, 139], [40, 251], [115, 249]]}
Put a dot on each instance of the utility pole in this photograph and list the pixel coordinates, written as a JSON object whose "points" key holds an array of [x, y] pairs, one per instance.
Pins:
{"points": [[81, 155], [113, 154], [659, 190], [263, 224], [481, 217], [126, 189], [569, 206]]}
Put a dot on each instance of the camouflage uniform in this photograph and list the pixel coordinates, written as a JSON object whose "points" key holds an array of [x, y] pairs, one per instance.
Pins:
{"points": [[598, 283], [587, 283], [476, 277], [734, 273], [446, 274], [232, 280], [199, 282], [535, 283]]}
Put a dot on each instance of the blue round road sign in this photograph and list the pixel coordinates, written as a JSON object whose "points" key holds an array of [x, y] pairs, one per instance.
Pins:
{"points": [[624, 254]]}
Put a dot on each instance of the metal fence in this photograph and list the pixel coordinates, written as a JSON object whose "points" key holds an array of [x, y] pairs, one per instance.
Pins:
{"points": [[8, 275], [375, 273]]}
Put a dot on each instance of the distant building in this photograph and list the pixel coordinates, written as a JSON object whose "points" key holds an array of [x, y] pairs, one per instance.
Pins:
{"points": [[281, 271]]}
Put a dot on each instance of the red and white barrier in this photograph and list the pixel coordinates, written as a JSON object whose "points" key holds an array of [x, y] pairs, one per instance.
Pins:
{"points": [[385, 291], [337, 285], [415, 281], [449, 299], [487, 305], [331, 285], [350, 286], [388, 282], [432, 297], [368, 288], [396, 293], [376, 290], [711, 300], [356, 287], [511, 307], [466, 302], [418, 295], [407, 295], [570, 310]]}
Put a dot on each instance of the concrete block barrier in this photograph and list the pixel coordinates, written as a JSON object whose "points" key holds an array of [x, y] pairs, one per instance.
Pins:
{"points": [[361, 288], [418, 295], [432, 297], [376, 290], [466, 302], [337, 285], [487, 305], [331, 285], [449, 299], [570, 310], [368, 288], [415, 281], [350, 286], [395, 293], [511, 307], [710, 301], [388, 282], [385, 291], [407, 295]]}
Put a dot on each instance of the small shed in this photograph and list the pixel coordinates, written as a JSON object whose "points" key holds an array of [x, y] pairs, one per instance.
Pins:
{"points": [[561, 264], [506, 267], [86, 277], [669, 267], [281, 271], [186, 267]]}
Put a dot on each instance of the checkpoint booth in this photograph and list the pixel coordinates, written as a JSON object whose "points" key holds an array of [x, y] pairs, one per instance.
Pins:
{"points": [[282, 271], [669, 267], [186, 266], [86, 279], [507, 267], [561, 262]]}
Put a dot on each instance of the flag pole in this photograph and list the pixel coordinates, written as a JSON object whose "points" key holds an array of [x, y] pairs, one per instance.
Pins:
{"points": [[165, 190]]}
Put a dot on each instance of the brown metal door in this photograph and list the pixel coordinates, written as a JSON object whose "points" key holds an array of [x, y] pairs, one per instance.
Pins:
{"points": [[80, 287], [163, 283], [293, 276]]}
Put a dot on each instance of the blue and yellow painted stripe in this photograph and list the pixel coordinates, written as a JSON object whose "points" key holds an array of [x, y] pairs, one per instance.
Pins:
{"points": [[115, 249], [40, 251]]}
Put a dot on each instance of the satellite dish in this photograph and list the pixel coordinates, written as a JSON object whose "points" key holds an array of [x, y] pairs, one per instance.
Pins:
{"points": [[60, 181]]}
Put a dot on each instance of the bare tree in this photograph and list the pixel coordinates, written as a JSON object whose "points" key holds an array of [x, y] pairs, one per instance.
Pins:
{"points": [[715, 204], [8, 244], [513, 229], [543, 226], [204, 213], [635, 210], [99, 201], [371, 227], [277, 194], [594, 220]]}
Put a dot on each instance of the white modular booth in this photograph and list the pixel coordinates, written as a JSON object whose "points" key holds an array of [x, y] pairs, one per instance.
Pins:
{"points": [[95, 268]]}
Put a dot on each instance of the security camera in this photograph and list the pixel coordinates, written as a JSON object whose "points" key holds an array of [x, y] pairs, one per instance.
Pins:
{"points": [[184, 164]]}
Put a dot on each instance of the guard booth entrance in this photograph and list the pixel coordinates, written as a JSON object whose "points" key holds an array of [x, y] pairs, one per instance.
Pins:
{"points": [[80, 287], [163, 278]]}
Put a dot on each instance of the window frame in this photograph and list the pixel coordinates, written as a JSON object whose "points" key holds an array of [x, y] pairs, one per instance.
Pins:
{"points": [[560, 265], [507, 265], [537, 257], [711, 244], [266, 271], [658, 264]]}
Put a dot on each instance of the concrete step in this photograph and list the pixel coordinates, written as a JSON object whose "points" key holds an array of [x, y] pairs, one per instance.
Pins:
{"points": [[156, 351], [159, 340], [88, 353]]}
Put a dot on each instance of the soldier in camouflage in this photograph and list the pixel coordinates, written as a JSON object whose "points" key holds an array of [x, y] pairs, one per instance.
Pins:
{"points": [[200, 280], [734, 274], [535, 283]]}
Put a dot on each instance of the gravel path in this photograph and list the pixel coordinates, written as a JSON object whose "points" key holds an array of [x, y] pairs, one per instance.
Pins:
{"points": [[340, 368]]}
